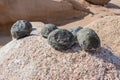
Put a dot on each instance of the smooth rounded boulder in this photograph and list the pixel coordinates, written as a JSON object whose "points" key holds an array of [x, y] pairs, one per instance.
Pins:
{"points": [[74, 31], [88, 39], [47, 29], [21, 29], [61, 39]]}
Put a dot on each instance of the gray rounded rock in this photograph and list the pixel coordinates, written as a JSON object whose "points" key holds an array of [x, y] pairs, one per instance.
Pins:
{"points": [[47, 29], [74, 32], [61, 39], [21, 29], [88, 39]]}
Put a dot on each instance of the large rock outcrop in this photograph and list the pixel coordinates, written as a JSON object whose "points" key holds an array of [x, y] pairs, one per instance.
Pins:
{"points": [[32, 58], [36, 10]]}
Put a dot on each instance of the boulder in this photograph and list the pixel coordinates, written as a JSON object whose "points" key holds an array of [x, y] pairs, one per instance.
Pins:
{"points": [[39, 10], [32, 58], [99, 2], [47, 29], [61, 39], [21, 29], [88, 39], [74, 31]]}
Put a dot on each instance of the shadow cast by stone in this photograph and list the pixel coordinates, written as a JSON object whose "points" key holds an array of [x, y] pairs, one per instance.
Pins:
{"points": [[31, 35], [34, 35], [111, 5], [73, 49], [107, 56], [33, 29]]}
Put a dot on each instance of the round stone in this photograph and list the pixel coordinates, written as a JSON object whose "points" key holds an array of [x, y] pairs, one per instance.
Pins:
{"points": [[47, 29], [98, 2], [61, 39], [21, 29], [88, 39], [74, 32]]}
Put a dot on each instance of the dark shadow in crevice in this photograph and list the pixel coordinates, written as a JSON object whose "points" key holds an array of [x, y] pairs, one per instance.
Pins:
{"points": [[61, 23], [34, 34], [73, 49], [33, 29]]}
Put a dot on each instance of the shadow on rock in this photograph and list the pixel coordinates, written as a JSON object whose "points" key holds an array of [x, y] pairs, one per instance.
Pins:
{"points": [[111, 5], [108, 56], [73, 49]]}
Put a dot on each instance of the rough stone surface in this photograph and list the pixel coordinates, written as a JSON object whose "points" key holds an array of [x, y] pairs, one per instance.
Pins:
{"points": [[61, 39], [47, 29], [88, 39], [108, 29], [40, 10], [74, 31], [32, 58], [21, 29], [98, 2]]}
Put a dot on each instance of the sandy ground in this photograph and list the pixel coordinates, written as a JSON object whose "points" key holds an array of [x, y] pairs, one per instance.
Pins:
{"points": [[113, 8]]}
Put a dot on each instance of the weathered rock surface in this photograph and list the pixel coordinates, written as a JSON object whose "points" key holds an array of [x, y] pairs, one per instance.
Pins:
{"points": [[61, 39], [32, 58], [88, 39], [39, 10], [74, 31], [99, 2], [108, 29], [47, 29], [21, 29]]}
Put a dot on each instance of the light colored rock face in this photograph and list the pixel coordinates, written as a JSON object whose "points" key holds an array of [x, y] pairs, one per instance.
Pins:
{"points": [[32, 58], [98, 2], [36, 10], [108, 30], [47, 11]]}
